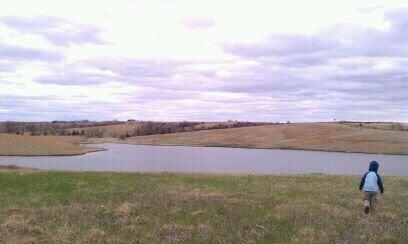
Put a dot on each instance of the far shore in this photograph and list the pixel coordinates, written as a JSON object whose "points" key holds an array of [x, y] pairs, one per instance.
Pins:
{"points": [[326, 137], [304, 136], [116, 141], [89, 150]]}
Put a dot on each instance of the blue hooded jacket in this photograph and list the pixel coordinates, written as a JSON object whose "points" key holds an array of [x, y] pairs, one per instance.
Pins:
{"points": [[371, 181]]}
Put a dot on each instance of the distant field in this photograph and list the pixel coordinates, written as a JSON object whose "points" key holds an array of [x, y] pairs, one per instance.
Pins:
{"points": [[44, 207], [110, 130], [307, 136], [380, 125], [19, 145]]}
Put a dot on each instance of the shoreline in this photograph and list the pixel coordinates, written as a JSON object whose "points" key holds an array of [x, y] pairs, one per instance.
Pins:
{"points": [[16, 168], [56, 155], [94, 150], [239, 147]]}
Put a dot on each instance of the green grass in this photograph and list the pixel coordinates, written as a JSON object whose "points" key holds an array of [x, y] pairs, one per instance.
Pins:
{"points": [[113, 207]]}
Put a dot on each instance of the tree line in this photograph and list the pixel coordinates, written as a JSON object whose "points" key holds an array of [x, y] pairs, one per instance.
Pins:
{"points": [[138, 128], [55, 128], [154, 128]]}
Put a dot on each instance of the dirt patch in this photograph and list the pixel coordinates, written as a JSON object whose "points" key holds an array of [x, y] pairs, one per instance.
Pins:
{"points": [[176, 232], [12, 167], [196, 195]]}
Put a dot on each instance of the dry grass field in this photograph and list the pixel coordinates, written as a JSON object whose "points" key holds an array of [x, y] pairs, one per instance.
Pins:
{"points": [[381, 125], [19, 145], [305, 136], [58, 207]]}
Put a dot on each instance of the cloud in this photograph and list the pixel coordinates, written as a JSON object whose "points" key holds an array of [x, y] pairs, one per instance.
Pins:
{"points": [[345, 71], [69, 78], [149, 74], [283, 44], [133, 69], [197, 22], [7, 67], [76, 75], [15, 107], [399, 23], [103, 70], [339, 41], [51, 107], [18, 53], [58, 31]]}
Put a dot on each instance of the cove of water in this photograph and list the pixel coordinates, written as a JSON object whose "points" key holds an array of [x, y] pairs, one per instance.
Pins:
{"points": [[141, 158]]}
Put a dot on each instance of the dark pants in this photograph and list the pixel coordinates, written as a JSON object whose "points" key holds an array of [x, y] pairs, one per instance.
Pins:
{"points": [[370, 198]]}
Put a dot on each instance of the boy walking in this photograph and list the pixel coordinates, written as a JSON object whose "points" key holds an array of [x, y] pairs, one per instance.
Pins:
{"points": [[371, 183]]}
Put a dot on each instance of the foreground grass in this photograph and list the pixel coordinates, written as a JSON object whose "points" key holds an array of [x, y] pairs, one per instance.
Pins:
{"points": [[112, 207]]}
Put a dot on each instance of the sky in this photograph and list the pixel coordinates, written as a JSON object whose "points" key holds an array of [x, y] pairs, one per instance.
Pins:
{"points": [[174, 60]]}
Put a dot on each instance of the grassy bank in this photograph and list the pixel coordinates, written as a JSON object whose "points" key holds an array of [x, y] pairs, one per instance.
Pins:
{"points": [[112, 207], [304, 136], [25, 145]]}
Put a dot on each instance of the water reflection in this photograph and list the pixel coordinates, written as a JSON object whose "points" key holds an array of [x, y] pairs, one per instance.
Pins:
{"points": [[122, 157]]}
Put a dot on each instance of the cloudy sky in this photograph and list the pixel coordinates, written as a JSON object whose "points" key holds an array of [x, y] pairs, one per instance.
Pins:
{"points": [[204, 60]]}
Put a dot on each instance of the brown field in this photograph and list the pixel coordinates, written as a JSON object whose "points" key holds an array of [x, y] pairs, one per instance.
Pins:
{"points": [[19, 145], [380, 125], [305, 136]]}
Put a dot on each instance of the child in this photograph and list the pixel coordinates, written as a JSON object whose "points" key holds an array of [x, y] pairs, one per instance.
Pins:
{"points": [[370, 184]]}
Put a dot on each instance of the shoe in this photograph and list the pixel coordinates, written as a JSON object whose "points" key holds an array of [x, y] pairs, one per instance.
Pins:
{"points": [[367, 209]]}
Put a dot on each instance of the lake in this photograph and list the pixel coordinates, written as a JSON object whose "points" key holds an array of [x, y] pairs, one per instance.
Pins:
{"points": [[130, 158]]}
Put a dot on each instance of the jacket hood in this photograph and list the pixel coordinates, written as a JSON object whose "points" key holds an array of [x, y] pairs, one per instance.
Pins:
{"points": [[373, 166]]}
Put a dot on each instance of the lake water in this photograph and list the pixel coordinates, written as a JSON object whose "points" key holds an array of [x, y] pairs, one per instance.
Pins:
{"points": [[128, 158]]}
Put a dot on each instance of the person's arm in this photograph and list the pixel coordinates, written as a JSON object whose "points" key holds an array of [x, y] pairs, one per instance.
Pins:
{"points": [[362, 181], [380, 184]]}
